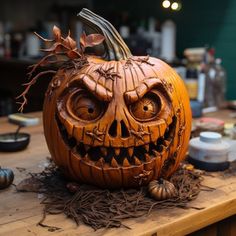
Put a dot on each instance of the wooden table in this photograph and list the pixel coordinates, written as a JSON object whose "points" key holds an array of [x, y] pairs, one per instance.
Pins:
{"points": [[20, 212]]}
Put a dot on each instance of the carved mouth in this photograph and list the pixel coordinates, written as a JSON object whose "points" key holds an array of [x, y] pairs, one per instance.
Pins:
{"points": [[120, 156]]}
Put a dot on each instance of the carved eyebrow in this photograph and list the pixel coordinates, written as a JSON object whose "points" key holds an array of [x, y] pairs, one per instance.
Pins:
{"points": [[96, 89], [144, 87]]}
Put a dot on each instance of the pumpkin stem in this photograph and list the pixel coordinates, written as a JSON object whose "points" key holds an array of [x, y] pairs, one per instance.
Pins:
{"points": [[114, 45]]}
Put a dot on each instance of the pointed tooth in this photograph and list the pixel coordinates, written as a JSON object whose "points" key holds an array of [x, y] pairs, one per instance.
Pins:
{"points": [[100, 162], [146, 146], [86, 147], [86, 157], [114, 162], [163, 148], [156, 153], [166, 143], [137, 162], [104, 151], [117, 151], [126, 163], [130, 151], [147, 157]]}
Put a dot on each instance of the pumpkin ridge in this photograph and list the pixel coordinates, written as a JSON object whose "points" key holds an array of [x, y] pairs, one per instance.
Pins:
{"points": [[141, 69]]}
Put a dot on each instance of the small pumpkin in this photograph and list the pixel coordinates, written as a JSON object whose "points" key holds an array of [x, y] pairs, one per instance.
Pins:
{"points": [[112, 119], [6, 177], [162, 189]]}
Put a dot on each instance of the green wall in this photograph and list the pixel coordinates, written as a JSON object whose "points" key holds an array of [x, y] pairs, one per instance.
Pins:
{"points": [[211, 23], [199, 23]]}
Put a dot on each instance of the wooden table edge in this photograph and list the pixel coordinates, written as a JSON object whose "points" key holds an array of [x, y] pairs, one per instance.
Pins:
{"points": [[182, 226]]}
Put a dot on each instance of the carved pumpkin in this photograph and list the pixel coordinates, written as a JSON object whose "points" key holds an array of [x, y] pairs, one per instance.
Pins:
{"points": [[118, 120]]}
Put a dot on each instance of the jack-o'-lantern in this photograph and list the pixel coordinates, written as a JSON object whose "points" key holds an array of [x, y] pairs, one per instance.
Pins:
{"points": [[116, 120]]}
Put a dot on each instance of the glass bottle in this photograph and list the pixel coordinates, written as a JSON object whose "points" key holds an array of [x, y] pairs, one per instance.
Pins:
{"points": [[191, 83], [210, 71], [220, 83]]}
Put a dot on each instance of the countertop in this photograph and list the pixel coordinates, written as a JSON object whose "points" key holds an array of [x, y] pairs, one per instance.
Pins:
{"points": [[20, 212]]}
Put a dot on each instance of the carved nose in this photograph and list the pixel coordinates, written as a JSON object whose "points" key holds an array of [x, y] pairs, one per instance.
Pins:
{"points": [[124, 130], [113, 129], [118, 129]]}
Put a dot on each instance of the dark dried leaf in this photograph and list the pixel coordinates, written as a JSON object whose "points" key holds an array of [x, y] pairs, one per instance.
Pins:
{"points": [[93, 40], [29, 185], [56, 47], [73, 54], [69, 42], [56, 33]]}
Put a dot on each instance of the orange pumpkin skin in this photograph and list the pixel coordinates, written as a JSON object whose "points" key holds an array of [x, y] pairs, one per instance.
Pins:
{"points": [[122, 130]]}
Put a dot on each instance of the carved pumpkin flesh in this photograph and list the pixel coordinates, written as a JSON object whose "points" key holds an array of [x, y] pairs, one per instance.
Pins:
{"points": [[117, 122]]}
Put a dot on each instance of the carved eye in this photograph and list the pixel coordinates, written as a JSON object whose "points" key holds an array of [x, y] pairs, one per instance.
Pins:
{"points": [[146, 108], [86, 107]]}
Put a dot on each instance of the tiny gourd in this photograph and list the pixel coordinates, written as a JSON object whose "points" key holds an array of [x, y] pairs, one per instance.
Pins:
{"points": [[6, 177], [162, 189]]}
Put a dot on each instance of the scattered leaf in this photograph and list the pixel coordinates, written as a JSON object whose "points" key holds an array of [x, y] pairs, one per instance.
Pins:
{"points": [[69, 42], [56, 33], [56, 47], [94, 39], [29, 185], [73, 54]]}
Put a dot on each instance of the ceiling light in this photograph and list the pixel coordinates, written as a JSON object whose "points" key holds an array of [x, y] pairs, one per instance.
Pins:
{"points": [[166, 3], [176, 6]]}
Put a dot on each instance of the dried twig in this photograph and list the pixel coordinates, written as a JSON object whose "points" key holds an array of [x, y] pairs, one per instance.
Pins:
{"points": [[28, 86], [108, 74], [65, 47], [141, 60], [101, 208]]}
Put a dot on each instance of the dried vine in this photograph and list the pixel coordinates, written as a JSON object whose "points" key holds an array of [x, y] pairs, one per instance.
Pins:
{"points": [[63, 51], [108, 74], [101, 208]]}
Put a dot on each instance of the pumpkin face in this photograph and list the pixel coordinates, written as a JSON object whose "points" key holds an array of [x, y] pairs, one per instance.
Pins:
{"points": [[117, 123]]}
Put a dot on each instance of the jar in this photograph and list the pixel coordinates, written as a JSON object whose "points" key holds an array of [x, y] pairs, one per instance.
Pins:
{"points": [[209, 152]]}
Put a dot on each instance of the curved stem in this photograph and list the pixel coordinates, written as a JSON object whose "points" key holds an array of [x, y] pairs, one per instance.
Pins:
{"points": [[115, 47]]}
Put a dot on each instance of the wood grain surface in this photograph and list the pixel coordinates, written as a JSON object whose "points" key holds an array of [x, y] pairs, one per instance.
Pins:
{"points": [[20, 212]]}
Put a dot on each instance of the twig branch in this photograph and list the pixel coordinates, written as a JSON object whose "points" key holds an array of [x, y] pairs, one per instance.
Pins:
{"points": [[28, 86], [43, 60], [66, 47]]}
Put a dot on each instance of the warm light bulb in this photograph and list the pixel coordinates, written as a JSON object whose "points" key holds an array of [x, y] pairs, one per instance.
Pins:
{"points": [[166, 3], [175, 6]]}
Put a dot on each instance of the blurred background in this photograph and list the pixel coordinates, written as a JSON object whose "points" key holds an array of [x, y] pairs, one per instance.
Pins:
{"points": [[196, 37]]}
